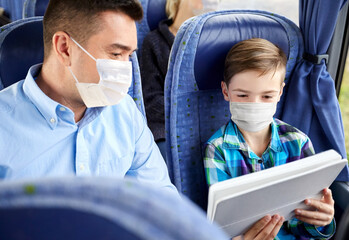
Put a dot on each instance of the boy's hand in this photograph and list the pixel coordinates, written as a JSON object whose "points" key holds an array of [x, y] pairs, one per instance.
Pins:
{"points": [[324, 212], [265, 229]]}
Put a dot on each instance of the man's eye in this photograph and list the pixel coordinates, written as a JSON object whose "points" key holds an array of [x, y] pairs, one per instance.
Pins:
{"points": [[242, 95], [116, 54]]}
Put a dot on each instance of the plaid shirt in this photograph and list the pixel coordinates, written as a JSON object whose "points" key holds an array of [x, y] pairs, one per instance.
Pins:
{"points": [[227, 155]]}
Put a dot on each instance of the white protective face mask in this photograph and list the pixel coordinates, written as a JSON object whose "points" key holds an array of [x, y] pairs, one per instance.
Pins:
{"points": [[252, 117], [208, 6], [115, 80]]}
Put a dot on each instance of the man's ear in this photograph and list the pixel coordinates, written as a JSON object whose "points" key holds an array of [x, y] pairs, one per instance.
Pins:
{"points": [[281, 90], [225, 91], [61, 45]]}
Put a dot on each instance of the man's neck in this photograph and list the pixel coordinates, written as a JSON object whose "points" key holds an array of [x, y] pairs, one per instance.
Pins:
{"points": [[54, 86]]}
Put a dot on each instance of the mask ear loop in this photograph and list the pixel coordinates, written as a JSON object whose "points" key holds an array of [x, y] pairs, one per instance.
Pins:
{"points": [[83, 49], [76, 80]]}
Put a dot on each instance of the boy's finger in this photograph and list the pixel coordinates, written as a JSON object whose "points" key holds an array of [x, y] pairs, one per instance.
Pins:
{"points": [[313, 221], [328, 196], [314, 215], [266, 232], [320, 206], [257, 227], [277, 228]]}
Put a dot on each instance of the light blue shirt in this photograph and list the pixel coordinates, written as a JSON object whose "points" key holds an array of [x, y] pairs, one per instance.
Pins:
{"points": [[39, 137]]}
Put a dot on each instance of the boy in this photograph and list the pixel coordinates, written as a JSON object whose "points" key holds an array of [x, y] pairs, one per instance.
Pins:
{"points": [[253, 140]]}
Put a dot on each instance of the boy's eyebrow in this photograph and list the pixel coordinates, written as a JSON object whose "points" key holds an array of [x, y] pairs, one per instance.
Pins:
{"points": [[240, 90], [246, 91]]}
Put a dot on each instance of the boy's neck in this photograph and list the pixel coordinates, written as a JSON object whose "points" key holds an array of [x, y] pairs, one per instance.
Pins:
{"points": [[257, 141]]}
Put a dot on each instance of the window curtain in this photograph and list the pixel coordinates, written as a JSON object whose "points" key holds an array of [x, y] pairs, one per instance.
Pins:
{"points": [[311, 103]]}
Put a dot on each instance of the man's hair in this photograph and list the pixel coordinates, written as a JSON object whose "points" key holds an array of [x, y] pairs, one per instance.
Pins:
{"points": [[81, 17], [172, 7], [254, 54]]}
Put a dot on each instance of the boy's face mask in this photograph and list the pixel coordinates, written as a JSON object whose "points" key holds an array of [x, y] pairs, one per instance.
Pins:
{"points": [[115, 80], [208, 6], [251, 116]]}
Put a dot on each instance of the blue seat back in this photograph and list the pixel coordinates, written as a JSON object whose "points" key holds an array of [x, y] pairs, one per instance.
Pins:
{"points": [[21, 46], [13, 8], [154, 12], [194, 105], [98, 208], [33, 8]]}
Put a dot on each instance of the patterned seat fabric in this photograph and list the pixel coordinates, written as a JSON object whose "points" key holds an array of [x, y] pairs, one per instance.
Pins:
{"points": [[194, 104], [154, 12], [21, 46], [98, 208]]}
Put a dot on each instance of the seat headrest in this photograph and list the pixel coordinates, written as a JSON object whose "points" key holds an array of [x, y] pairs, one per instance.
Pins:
{"points": [[220, 32], [21, 48], [155, 13], [40, 7]]}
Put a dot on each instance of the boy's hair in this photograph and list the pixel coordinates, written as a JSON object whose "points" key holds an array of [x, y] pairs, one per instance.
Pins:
{"points": [[81, 17], [254, 54], [172, 8]]}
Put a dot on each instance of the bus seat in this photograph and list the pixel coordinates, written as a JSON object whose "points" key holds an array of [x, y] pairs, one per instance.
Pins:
{"points": [[21, 46], [194, 104], [98, 208], [154, 12], [33, 8], [343, 227], [13, 8]]}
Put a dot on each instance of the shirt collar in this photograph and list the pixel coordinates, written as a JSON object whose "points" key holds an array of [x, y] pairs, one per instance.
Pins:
{"points": [[49, 108], [233, 138], [46, 106]]}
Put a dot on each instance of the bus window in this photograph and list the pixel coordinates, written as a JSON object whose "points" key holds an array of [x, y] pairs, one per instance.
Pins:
{"points": [[286, 8], [344, 104]]}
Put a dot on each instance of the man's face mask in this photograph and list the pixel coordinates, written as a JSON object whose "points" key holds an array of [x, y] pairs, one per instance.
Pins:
{"points": [[208, 6], [251, 116], [115, 80]]}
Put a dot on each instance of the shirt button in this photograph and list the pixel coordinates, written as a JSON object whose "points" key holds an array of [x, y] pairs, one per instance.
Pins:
{"points": [[260, 161], [82, 167], [52, 120], [62, 109]]}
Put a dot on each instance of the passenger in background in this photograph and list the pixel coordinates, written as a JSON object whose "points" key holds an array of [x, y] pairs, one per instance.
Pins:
{"points": [[253, 140], [72, 114], [154, 60], [3, 18]]}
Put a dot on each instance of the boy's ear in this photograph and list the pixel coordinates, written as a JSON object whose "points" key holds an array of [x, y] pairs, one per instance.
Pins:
{"points": [[281, 90], [225, 91]]}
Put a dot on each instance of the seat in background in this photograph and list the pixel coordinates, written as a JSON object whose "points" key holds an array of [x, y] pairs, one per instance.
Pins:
{"points": [[194, 104], [21, 46], [154, 12], [13, 8], [98, 208], [33, 8]]}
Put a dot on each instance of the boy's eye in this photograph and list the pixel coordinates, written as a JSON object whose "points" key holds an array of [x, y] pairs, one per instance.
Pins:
{"points": [[267, 96]]}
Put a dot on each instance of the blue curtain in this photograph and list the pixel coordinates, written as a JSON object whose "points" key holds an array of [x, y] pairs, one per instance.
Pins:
{"points": [[311, 103]]}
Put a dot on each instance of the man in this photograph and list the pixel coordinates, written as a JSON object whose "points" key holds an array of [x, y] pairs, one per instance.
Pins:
{"points": [[71, 115]]}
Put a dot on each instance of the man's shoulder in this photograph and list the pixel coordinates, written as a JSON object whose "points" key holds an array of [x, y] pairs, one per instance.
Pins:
{"points": [[10, 96], [288, 132]]}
